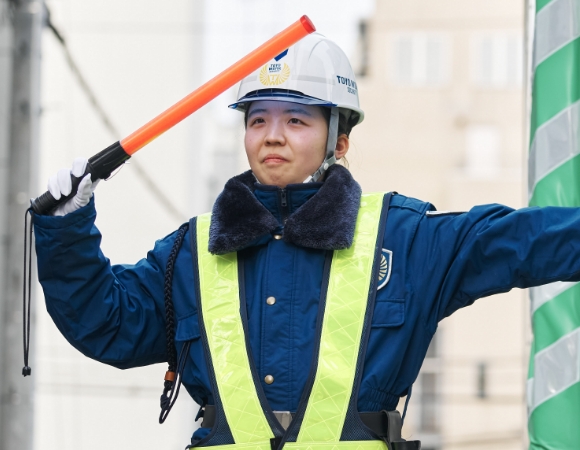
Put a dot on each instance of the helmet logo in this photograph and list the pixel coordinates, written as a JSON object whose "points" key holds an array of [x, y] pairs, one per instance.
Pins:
{"points": [[274, 74]]}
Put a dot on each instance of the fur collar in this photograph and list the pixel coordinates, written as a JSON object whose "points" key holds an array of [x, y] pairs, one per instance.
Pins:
{"points": [[326, 221]]}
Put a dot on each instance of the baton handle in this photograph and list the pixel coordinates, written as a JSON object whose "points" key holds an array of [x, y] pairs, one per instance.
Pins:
{"points": [[100, 166]]}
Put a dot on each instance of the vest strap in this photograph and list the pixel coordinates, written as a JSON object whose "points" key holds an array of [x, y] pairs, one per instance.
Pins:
{"points": [[386, 424], [343, 322], [220, 305]]}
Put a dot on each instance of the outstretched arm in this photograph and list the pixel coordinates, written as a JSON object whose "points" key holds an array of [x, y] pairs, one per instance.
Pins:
{"points": [[492, 249]]}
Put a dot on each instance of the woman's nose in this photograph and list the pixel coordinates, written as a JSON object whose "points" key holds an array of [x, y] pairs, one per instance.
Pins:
{"points": [[275, 135]]}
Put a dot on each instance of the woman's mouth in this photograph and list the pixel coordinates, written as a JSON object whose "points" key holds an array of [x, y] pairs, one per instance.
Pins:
{"points": [[274, 159]]}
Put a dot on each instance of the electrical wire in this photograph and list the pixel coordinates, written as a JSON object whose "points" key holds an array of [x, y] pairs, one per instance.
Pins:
{"points": [[7, 12], [150, 184]]}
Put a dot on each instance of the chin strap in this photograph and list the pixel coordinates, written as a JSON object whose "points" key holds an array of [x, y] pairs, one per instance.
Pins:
{"points": [[330, 158]]}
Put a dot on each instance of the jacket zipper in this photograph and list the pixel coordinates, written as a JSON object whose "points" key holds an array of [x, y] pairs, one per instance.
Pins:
{"points": [[283, 205]]}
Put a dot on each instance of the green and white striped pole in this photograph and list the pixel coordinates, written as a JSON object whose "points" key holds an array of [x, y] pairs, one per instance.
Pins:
{"points": [[554, 179]]}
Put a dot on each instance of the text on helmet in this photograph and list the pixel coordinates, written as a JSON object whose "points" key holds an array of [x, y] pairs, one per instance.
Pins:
{"points": [[351, 84]]}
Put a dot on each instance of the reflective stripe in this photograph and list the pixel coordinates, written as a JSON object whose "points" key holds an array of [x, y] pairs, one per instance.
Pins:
{"points": [[556, 368], [554, 188], [554, 422], [555, 142], [529, 394], [443, 213], [556, 318], [220, 305], [554, 85], [542, 294], [346, 301], [556, 25]]}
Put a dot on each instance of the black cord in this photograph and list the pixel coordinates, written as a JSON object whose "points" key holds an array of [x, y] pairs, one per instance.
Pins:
{"points": [[8, 11], [168, 298], [26, 293], [175, 368], [171, 388], [409, 392]]}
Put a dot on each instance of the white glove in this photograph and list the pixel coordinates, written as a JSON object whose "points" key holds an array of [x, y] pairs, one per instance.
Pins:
{"points": [[61, 184]]}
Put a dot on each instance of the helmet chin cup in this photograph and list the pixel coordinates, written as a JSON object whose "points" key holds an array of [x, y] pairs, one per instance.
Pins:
{"points": [[330, 155]]}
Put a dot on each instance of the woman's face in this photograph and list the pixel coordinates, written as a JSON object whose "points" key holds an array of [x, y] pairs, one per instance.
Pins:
{"points": [[285, 142]]}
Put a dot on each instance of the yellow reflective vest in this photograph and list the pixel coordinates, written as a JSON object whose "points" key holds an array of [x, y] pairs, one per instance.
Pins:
{"points": [[243, 418]]}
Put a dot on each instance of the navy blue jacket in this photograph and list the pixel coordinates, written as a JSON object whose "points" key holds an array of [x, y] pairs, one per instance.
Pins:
{"points": [[440, 263]]}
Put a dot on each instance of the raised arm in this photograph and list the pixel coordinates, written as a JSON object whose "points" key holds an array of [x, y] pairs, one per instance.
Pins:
{"points": [[114, 314]]}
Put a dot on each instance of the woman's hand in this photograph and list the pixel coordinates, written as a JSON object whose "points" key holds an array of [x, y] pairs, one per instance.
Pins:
{"points": [[60, 184]]}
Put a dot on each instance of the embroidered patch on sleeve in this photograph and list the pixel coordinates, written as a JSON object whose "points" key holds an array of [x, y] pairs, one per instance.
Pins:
{"points": [[385, 268]]}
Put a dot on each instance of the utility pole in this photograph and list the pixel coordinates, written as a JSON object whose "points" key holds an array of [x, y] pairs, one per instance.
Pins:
{"points": [[19, 172]]}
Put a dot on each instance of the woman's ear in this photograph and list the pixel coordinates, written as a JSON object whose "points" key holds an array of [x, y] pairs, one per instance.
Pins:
{"points": [[342, 145]]}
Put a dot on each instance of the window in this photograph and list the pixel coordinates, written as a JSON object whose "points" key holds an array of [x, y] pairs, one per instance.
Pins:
{"points": [[482, 145], [429, 403], [497, 60], [421, 59], [428, 390], [433, 349], [482, 380], [361, 56]]}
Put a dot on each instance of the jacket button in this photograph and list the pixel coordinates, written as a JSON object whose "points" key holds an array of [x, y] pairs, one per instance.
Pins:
{"points": [[277, 237], [270, 300], [269, 379]]}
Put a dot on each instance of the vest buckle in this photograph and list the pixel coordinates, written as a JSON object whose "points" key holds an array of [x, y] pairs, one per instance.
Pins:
{"points": [[393, 437], [275, 443]]}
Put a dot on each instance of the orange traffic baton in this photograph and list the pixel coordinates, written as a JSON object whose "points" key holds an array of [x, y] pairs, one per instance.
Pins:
{"points": [[101, 165]]}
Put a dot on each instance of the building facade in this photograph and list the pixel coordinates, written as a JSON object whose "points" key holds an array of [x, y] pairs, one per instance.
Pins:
{"points": [[442, 87]]}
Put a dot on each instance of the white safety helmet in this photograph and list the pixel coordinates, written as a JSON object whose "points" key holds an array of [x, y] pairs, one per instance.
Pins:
{"points": [[315, 71]]}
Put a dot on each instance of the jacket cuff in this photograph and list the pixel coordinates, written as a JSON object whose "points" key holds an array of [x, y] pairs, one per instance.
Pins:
{"points": [[58, 222]]}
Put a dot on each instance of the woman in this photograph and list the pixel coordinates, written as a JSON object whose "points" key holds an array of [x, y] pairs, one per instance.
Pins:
{"points": [[300, 309]]}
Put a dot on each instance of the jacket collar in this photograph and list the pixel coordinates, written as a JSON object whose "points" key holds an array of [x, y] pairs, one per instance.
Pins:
{"points": [[325, 221]]}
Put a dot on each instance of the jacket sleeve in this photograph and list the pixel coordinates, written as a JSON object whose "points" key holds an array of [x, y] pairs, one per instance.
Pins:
{"points": [[492, 249], [114, 314]]}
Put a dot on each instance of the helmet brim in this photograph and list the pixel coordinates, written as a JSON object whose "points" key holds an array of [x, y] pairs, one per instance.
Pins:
{"points": [[272, 95]]}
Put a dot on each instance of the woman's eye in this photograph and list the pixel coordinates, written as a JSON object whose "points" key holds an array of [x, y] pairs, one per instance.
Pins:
{"points": [[257, 120], [295, 120]]}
